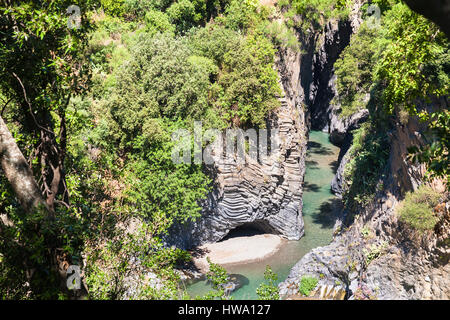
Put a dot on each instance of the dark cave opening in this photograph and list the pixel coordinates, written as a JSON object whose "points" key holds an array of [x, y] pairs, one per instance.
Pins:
{"points": [[249, 229]]}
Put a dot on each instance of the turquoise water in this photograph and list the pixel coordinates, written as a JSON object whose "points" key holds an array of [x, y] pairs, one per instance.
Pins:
{"points": [[318, 202]]}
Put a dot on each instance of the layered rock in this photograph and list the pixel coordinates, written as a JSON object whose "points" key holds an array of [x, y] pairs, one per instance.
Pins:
{"points": [[264, 193], [337, 184], [378, 256]]}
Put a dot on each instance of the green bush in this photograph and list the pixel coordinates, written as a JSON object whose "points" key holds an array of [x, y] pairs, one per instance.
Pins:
{"points": [[269, 289], [307, 284], [369, 154], [416, 210], [113, 7], [241, 14], [157, 21], [182, 14], [315, 13], [247, 88], [160, 81], [354, 71], [214, 41], [281, 35]]}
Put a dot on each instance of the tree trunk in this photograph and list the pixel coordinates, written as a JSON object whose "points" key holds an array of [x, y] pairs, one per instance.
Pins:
{"points": [[18, 172], [27, 191]]}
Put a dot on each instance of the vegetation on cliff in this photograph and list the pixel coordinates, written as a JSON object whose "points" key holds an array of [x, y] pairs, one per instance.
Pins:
{"points": [[92, 106], [398, 70]]}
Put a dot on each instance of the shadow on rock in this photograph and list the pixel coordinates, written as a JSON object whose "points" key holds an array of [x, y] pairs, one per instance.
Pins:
{"points": [[328, 213]]}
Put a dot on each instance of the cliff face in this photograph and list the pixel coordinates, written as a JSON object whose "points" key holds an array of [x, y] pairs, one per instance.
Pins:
{"points": [[268, 195], [264, 194], [320, 81], [378, 256]]}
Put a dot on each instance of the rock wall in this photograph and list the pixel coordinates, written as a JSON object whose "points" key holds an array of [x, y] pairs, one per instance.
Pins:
{"points": [[266, 194], [320, 81], [378, 257]]}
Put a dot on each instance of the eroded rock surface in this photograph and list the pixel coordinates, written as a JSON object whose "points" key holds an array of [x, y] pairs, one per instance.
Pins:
{"points": [[266, 193], [378, 256]]}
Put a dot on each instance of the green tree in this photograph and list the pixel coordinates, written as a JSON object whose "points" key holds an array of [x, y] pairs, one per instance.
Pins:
{"points": [[354, 70], [40, 70], [40, 66], [247, 89], [269, 289], [160, 81], [414, 68]]}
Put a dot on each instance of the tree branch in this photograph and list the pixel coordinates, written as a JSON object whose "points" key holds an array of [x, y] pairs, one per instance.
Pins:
{"points": [[29, 104], [4, 107]]}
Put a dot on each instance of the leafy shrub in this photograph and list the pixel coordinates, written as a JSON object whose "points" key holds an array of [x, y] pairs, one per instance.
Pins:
{"points": [[133, 255], [113, 7], [435, 154], [413, 42], [157, 21], [315, 13], [247, 89], [159, 81], [416, 210], [241, 14], [182, 14], [354, 71], [307, 284], [281, 35], [374, 251], [214, 41], [218, 277], [216, 274], [268, 290], [369, 154]]}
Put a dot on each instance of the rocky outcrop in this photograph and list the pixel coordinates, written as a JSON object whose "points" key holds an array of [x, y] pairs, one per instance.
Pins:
{"points": [[324, 113], [340, 128], [337, 184], [266, 194], [322, 88], [378, 256], [320, 81]]}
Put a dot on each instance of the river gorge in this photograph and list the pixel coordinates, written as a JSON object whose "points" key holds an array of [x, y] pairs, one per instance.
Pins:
{"points": [[319, 218]]}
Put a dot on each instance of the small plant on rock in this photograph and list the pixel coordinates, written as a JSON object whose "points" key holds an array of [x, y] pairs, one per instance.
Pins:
{"points": [[269, 290], [417, 209], [307, 284]]}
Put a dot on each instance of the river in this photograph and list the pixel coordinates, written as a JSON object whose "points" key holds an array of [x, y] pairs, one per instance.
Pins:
{"points": [[319, 219]]}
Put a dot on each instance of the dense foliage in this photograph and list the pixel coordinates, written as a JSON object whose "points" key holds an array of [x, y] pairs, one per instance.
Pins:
{"points": [[309, 15], [398, 70], [307, 285], [93, 109], [417, 209]]}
